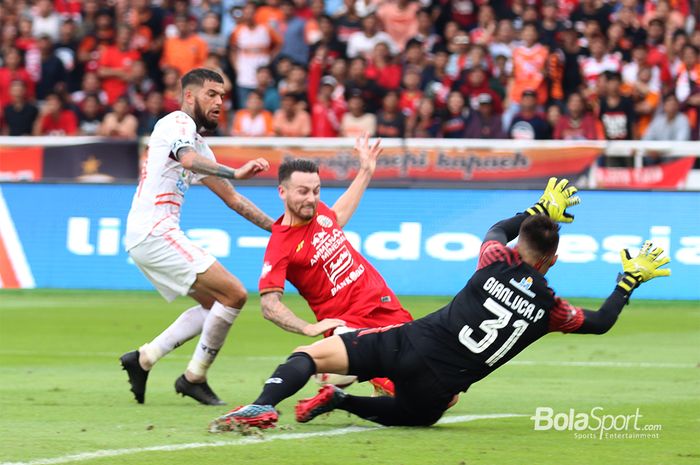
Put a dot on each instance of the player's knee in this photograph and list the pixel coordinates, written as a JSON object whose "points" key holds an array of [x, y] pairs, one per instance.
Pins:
{"points": [[236, 297]]}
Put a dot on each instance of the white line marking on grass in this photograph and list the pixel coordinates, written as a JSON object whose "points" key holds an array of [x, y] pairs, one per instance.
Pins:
{"points": [[281, 358], [99, 454]]}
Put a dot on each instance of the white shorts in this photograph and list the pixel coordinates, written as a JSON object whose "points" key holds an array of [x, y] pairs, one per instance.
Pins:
{"points": [[171, 262]]}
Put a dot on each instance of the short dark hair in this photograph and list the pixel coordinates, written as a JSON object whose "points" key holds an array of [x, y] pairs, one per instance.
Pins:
{"points": [[292, 165], [540, 235], [197, 77]]}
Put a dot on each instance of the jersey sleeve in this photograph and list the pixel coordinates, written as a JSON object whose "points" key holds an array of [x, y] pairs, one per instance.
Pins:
{"points": [[565, 317], [328, 211], [492, 252], [274, 271], [181, 131]]}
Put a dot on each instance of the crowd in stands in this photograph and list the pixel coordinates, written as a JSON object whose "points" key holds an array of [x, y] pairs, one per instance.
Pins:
{"points": [[522, 69]]}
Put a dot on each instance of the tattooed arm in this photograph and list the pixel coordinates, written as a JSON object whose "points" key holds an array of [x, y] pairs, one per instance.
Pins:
{"points": [[237, 202], [191, 160], [274, 310]]}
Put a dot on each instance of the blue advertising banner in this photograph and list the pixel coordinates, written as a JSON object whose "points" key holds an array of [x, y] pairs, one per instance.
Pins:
{"points": [[423, 241]]}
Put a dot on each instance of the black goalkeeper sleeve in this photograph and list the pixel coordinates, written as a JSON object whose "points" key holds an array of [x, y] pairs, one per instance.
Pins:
{"points": [[601, 321], [506, 230]]}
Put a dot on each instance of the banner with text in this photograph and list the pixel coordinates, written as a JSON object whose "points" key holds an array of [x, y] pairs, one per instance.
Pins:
{"points": [[423, 241]]}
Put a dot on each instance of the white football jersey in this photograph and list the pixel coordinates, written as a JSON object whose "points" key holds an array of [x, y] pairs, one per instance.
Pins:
{"points": [[156, 206]]}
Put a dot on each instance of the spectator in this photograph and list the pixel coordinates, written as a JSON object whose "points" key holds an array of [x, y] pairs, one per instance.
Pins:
{"points": [[253, 120], [45, 21], [382, 68], [485, 30], [591, 10], [669, 125], [53, 73], [270, 14], [577, 123], [460, 54], [115, 65], [291, 120], [19, 114], [90, 86], [348, 20], [529, 61], [295, 82], [454, 123], [411, 94], [570, 54], [399, 19], [425, 122], [185, 50], [252, 45], [504, 38], [645, 99], [294, 43], [356, 121], [688, 85], [266, 86], [89, 116], [172, 93], [92, 45], [426, 35], [357, 80], [54, 119], [140, 85], [390, 121], [414, 55], [66, 48], [362, 43], [326, 113], [616, 111], [630, 71], [484, 123], [528, 123], [13, 70], [120, 123], [335, 49], [211, 34], [550, 26], [434, 80], [153, 112], [472, 83], [599, 62]]}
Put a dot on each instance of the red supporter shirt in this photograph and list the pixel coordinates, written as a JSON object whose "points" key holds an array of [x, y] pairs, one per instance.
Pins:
{"points": [[335, 279], [114, 58], [65, 125]]}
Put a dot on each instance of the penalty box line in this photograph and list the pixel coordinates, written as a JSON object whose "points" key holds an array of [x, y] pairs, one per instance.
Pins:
{"points": [[99, 454]]}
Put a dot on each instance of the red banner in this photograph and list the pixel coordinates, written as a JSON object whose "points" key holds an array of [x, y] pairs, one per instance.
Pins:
{"points": [[21, 163], [427, 164], [671, 175]]}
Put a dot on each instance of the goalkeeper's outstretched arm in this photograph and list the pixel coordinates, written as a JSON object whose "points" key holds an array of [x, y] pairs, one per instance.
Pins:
{"points": [[637, 270], [506, 230]]}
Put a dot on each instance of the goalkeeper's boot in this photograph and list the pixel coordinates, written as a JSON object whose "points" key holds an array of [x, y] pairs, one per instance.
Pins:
{"points": [[327, 399], [200, 392], [382, 387], [137, 375], [247, 416]]}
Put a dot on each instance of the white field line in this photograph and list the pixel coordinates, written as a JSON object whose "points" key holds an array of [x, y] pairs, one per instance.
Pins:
{"points": [[99, 454], [281, 358]]}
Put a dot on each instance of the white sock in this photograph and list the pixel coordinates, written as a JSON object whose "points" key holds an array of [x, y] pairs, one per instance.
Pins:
{"points": [[214, 333], [187, 326]]}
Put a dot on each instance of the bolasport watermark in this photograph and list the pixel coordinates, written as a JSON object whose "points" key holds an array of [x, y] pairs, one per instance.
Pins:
{"points": [[596, 424]]}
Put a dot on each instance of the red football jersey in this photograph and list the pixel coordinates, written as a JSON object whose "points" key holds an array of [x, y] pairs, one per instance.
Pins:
{"points": [[334, 278]]}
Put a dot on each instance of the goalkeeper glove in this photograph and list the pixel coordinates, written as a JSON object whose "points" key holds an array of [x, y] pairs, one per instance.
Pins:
{"points": [[643, 267], [555, 200]]}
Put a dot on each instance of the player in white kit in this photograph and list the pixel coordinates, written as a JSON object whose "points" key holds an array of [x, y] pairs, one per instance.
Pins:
{"points": [[177, 157]]}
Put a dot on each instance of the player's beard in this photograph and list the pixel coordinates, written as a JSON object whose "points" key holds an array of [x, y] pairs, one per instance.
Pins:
{"points": [[299, 212], [201, 118]]}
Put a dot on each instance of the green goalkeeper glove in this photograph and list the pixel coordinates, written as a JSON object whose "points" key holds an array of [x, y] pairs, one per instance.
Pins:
{"points": [[643, 267], [555, 200]]}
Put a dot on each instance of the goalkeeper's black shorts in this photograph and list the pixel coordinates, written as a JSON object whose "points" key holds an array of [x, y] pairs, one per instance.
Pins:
{"points": [[388, 352]]}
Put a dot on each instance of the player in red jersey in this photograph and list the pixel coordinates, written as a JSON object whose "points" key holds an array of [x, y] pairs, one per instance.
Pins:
{"points": [[309, 249]]}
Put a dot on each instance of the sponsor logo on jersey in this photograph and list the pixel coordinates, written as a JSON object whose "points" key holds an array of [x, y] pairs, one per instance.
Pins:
{"points": [[265, 269], [300, 246], [338, 264], [523, 286], [324, 221]]}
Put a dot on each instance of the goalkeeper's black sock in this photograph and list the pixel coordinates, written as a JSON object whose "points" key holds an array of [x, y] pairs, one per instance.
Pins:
{"points": [[287, 379], [386, 411]]}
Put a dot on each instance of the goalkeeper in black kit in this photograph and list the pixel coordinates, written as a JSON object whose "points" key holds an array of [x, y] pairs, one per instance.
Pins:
{"points": [[506, 306]]}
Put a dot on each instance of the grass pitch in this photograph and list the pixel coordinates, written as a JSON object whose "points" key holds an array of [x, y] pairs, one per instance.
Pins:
{"points": [[64, 398]]}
